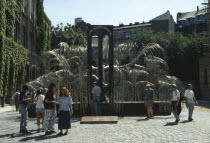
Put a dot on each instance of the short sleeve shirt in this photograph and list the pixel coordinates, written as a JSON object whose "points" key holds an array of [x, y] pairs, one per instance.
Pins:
{"points": [[189, 94], [96, 91], [39, 101], [65, 102], [175, 95], [23, 96], [148, 94]]}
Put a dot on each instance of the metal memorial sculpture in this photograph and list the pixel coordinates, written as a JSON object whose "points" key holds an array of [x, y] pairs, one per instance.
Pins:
{"points": [[74, 67]]}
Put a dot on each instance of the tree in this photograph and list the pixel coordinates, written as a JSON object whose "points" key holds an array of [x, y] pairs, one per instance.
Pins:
{"points": [[183, 52], [68, 34]]}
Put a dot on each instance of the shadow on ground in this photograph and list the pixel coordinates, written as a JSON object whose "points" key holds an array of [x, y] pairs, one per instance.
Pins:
{"points": [[170, 124], [39, 138], [14, 135]]}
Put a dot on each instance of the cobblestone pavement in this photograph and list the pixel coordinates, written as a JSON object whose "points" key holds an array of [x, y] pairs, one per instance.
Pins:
{"points": [[129, 129]]}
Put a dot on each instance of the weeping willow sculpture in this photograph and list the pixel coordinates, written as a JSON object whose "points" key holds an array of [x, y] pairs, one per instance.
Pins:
{"points": [[146, 65]]}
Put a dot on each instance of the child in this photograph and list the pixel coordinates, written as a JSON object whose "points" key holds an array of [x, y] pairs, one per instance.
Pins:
{"points": [[39, 107]]}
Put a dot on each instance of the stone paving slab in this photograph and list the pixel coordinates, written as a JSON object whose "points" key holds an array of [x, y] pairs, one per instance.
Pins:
{"points": [[128, 130], [99, 120]]}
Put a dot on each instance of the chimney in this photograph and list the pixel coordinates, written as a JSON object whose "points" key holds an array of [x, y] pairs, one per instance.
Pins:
{"points": [[197, 8]]}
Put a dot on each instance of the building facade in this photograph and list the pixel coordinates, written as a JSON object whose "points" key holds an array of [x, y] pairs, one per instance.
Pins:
{"points": [[122, 33], [25, 31], [193, 22], [204, 66], [162, 23], [30, 26]]}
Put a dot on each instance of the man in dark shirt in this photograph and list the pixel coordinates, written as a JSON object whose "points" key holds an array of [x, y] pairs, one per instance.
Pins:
{"points": [[24, 100], [149, 100]]}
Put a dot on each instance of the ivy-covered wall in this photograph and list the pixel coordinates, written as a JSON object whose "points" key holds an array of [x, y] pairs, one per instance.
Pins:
{"points": [[43, 28], [13, 57]]}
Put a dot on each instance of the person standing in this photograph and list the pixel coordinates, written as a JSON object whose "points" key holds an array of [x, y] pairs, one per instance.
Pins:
{"points": [[40, 107], [16, 99], [190, 101], [175, 102], [96, 92], [50, 112], [65, 111], [24, 101], [149, 100]]}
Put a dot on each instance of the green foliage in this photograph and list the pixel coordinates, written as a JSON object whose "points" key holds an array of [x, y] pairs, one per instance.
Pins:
{"points": [[176, 45], [2, 16], [12, 15], [67, 34], [15, 61], [143, 38], [12, 56], [43, 29]]}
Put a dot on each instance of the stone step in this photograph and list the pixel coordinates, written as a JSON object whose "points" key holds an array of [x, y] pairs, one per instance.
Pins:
{"points": [[99, 120]]}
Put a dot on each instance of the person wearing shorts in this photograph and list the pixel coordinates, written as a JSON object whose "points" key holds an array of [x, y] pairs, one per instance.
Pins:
{"points": [[39, 107], [149, 101]]}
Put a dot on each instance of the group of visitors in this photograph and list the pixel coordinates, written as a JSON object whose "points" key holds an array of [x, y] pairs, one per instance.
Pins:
{"points": [[190, 100], [45, 101], [46, 109]]}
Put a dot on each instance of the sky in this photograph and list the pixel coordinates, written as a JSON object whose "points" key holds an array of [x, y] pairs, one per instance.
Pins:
{"points": [[114, 12]]}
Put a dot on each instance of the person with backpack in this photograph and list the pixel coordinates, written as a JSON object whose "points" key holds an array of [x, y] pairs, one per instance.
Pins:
{"points": [[175, 102], [39, 99], [190, 101]]}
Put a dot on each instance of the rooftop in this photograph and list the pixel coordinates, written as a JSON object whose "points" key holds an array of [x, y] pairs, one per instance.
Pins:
{"points": [[164, 16], [132, 26], [193, 14]]}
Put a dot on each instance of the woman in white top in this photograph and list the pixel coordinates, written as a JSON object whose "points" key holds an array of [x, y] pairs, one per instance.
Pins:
{"points": [[39, 107], [190, 100]]}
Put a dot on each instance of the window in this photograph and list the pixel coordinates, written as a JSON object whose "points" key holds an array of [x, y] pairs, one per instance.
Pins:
{"points": [[16, 32], [115, 35], [25, 6], [31, 41], [31, 9], [127, 34], [205, 77], [24, 37]]}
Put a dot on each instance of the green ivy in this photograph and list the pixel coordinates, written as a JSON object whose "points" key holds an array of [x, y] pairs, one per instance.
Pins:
{"points": [[2, 16], [13, 10], [13, 57], [43, 27]]}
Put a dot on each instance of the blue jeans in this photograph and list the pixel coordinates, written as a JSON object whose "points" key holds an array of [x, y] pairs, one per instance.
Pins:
{"points": [[24, 117], [190, 108], [174, 109], [97, 106]]}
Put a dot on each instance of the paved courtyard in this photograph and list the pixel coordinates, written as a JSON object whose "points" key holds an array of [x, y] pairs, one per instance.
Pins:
{"points": [[128, 130]]}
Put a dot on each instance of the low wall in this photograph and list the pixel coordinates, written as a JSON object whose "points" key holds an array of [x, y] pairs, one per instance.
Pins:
{"points": [[161, 108]]}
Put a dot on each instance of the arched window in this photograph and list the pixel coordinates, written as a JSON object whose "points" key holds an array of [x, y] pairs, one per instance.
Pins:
{"points": [[205, 77]]}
